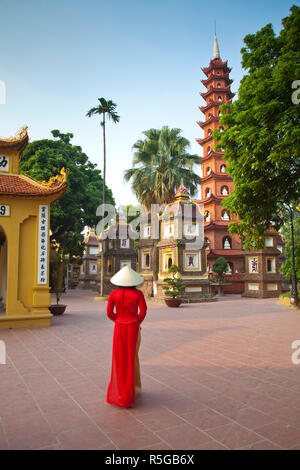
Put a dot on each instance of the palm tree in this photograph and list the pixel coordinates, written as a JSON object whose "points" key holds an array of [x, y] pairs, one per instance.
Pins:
{"points": [[161, 164], [104, 108]]}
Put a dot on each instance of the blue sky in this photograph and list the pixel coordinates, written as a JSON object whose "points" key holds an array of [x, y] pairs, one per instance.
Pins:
{"points": [[57, 57]]}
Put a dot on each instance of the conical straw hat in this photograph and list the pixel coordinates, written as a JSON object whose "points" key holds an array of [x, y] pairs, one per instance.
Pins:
{"points": [[126, 277]]}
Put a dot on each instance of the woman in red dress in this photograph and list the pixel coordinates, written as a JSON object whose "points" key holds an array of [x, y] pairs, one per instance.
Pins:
{"points": [[125, 380]]}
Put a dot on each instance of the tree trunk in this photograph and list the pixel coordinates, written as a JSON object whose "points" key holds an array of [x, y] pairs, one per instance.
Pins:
{"points": [[103, 202]]}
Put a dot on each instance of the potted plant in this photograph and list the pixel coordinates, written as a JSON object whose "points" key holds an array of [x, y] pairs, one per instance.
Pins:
{"points": [[173, 288], [57, 269]]}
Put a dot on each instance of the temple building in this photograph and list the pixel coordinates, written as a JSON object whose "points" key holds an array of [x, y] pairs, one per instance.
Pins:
{"points": [[24, 238], [175, 236], [89, 273], [216, 185], [117, 249]]}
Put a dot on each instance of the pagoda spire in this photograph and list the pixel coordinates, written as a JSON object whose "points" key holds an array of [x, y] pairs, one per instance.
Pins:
{"points": [[216, 48]]}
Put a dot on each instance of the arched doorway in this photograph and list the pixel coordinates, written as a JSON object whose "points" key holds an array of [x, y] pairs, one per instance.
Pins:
{"points": [[3, 271]]}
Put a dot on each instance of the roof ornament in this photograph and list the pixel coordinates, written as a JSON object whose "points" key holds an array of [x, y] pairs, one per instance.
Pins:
{"points": [[19, 136], [58, 179]]}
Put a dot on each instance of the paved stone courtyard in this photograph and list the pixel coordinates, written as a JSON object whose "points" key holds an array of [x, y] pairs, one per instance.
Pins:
{"points": [[215, 376]]}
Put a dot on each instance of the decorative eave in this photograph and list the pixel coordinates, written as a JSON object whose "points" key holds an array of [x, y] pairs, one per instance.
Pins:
{"points": [[205, 140], [212, 119], [209, 106], [225, 76], [212, 154], [226, 90], [218, 176], [213, 104], [223, 252], [210, 200], [212, 225], [18, 141]]}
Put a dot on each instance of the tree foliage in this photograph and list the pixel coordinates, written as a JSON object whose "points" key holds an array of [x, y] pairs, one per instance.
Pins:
{"points": [[162, 164], [43, 159], [220, 267], [262, 132]]}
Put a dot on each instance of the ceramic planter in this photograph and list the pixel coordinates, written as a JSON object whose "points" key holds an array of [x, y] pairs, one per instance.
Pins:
{"points": [[57, 309], [173, 302]]}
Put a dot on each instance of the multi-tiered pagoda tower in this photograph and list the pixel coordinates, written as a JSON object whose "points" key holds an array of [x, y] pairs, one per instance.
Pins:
{"points": [[216, 184]]}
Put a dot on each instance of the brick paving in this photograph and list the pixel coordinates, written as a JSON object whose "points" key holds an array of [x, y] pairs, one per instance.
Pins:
{"points": [[215, 376]]}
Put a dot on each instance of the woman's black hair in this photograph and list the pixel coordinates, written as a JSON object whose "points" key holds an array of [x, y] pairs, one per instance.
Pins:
{"points": [[130, 287]]}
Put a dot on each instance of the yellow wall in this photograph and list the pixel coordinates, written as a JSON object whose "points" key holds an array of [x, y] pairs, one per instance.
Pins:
{"points": [[26, 302]]}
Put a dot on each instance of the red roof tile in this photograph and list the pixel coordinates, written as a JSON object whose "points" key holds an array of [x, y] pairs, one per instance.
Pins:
{"points": [[24, 186]]}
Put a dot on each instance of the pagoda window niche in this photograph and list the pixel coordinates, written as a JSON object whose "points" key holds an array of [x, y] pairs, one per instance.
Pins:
{"points": [[219, 85], [225, 215], [209, 132], [208, 170], [207, 243], [223, 168], [230, 268], [206, 216], [208, 149], [270, 264], [224, 191], [191, 260], [207, 192], [227, 244], [219, 99]]}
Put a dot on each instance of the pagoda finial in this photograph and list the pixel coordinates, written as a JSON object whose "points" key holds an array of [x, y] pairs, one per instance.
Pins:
{"points": [[216, 46]]}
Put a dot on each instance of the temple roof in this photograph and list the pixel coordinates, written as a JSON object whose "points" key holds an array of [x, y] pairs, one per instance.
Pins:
{"points": [[21, 185], [216, 63], [91, 238]]}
